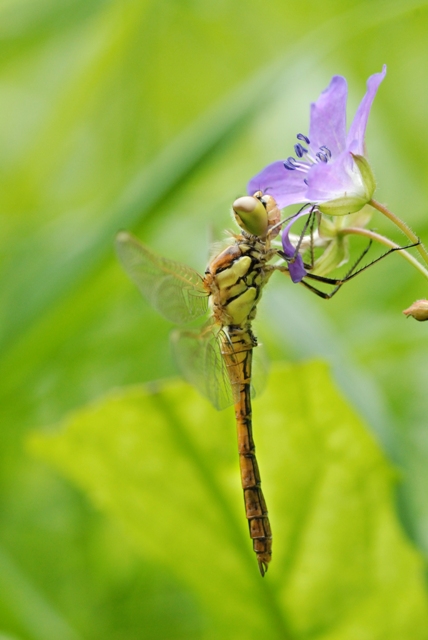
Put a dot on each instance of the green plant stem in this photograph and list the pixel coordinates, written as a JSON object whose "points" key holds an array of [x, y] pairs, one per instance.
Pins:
{"points": [[401, 225], [388, 243]]}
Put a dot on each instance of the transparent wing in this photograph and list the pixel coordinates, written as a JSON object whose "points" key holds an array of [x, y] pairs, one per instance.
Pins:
{"points": [[198, 355], [260, 371], [175, 290]]}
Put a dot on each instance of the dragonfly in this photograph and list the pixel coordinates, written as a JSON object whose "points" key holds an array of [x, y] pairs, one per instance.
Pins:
{"points": [[218, 358]]}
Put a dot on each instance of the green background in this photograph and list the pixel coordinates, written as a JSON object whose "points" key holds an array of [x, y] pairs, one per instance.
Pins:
{"points": [[152, 117]]}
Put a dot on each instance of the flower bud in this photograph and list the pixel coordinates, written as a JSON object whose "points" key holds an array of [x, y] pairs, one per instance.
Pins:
{"points": [[418, 310]]}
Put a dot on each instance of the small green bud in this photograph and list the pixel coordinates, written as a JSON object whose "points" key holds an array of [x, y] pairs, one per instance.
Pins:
{"points": [[251, 215]]}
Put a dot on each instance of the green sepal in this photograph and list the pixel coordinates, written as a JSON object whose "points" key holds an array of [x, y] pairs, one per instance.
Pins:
{"points": [[353, 203], [327, 228], [366, 174], [343, 206], [333, 257]]}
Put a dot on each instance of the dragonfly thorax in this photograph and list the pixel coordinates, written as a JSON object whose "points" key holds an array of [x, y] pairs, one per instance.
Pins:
{"points": [[235, 279]]}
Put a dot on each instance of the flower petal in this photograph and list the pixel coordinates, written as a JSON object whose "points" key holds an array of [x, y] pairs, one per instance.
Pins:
{"points": [[333, 180], [287, 187], [328, 118], [296, 269], [357, 130]]}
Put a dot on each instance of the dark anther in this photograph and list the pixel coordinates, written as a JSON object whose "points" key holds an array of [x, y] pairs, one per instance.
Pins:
{"points": [[300, 150], [290, 164], [322, 157], [327, 151], [305, 180], [300, 136]]}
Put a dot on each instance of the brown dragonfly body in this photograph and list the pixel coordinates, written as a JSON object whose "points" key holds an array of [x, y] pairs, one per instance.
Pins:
{"points": [[234, 280], [218, 359]]}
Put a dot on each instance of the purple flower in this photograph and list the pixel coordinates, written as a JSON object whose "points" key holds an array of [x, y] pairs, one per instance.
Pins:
{"points": [[329, 169]]}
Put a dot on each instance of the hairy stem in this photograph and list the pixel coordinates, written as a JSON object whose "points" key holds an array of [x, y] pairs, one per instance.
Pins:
{"points": [[388, 243], [401, 225]]}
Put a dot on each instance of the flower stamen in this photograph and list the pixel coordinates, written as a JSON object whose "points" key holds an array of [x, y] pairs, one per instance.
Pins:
{"points": [[329, 167], [304, 138], [326, 151], [300, 150], [322, 155], [291, 164]]}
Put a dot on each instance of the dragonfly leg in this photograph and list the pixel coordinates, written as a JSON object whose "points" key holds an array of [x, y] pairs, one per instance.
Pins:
{"points": [[309, 223], [337, 283]]}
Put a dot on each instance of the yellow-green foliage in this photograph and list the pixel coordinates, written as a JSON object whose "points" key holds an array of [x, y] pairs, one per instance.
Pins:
{"points": [[151, 116], [162, 463]]}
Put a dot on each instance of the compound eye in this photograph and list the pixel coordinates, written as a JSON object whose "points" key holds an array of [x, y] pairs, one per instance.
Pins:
{"points": [[251, 215], [258, 195]]}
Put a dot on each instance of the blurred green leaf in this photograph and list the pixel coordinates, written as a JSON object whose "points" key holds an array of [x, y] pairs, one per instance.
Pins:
{"points": [[35, 615], [135, 113], [162, 462]]}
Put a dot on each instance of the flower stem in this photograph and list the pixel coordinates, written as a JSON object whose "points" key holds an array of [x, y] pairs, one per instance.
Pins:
{"points": [[388, 243], [401, 225]]}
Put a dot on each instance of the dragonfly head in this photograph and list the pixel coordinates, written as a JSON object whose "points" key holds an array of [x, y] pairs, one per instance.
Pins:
{"points": [[258, 214], [251, 215]]}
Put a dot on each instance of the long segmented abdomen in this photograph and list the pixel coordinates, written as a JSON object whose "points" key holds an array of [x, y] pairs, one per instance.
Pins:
{"points": [[237, 351]]}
